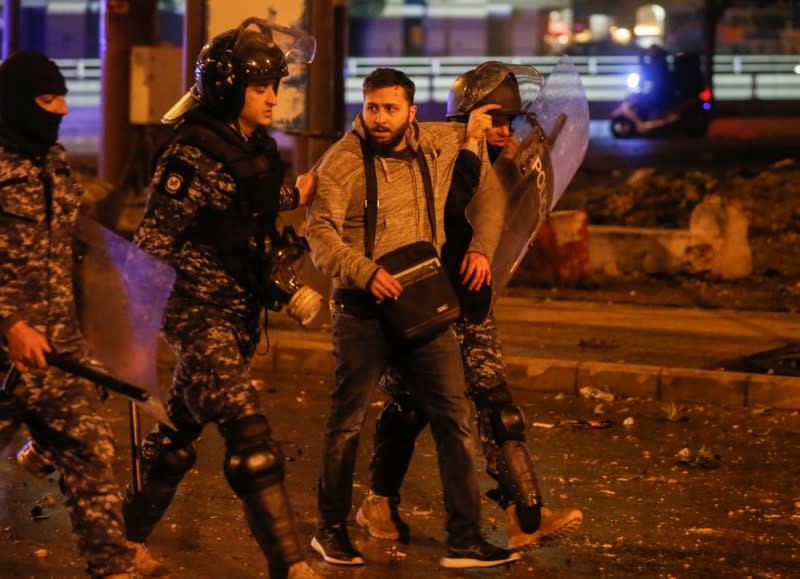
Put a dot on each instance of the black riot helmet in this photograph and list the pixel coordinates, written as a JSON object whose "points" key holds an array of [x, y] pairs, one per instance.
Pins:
{"points": [[230, 62], [513, 87], [255, 52]]}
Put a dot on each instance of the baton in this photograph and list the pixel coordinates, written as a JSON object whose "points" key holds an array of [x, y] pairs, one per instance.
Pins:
{"points": [[73, 366], [135, 393]]}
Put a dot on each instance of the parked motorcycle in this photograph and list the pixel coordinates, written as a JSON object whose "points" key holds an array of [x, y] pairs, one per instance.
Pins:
{"points": [[668, 97]]}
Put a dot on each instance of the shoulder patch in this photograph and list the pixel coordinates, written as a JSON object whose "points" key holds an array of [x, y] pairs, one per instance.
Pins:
{"points": [[176, 178]]}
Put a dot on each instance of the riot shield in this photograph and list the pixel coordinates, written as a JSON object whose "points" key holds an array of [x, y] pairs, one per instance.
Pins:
{"points": [[122, 292], [533, 170]]}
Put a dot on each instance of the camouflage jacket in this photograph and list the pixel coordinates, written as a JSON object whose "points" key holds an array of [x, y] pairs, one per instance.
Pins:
{"points": [[188, 186], [36, 241]]}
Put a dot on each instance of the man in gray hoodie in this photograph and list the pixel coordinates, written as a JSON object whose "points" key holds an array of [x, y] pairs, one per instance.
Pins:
{"points": [[363, 347]]}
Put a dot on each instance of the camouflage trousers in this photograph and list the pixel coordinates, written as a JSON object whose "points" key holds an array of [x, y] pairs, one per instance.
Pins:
{"points": [[62, 413], [211, 382], [482, 355]]}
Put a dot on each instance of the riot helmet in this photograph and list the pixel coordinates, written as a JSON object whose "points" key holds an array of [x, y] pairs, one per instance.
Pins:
{"points": [[513, 87], [255, 52]]}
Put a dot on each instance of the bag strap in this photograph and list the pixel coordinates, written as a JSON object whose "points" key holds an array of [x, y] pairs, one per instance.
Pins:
{"points": [[428, 186], [371, 200]]}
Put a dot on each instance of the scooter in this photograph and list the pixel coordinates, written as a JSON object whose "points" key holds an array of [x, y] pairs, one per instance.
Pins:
{"points": [[668, 100]]}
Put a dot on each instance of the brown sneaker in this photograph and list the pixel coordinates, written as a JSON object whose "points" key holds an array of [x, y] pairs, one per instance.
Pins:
{"points": [[144, 562], [379, 515], [554, 526], [302, 570]]}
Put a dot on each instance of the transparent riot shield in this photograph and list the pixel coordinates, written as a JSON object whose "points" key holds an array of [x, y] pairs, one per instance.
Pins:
{"points": [[533, 170], [122, 292]]}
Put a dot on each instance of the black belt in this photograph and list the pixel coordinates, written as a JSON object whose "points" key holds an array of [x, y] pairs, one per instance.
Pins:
{"points": [[356, 302]]}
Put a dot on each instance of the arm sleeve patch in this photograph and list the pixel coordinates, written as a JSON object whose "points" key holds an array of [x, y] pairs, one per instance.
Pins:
{"points": [[176, 178]]}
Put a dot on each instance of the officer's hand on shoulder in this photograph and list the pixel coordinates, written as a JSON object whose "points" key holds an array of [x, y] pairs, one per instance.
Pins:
{"points": [[307, 185]]}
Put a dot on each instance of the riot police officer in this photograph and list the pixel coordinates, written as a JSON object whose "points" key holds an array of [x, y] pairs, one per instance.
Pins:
{"points": [[216, 191], [39, 208], [501, 424]]}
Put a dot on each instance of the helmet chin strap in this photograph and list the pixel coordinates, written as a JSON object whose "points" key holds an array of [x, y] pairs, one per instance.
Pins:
{"points": [[238, 128]]}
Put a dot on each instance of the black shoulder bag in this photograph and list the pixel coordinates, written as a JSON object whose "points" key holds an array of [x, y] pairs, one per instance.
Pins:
{"points": [[428, 303]]}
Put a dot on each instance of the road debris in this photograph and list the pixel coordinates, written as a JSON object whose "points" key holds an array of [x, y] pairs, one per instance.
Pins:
{"points": [[578, 424], [705, 458], [596, 393]]}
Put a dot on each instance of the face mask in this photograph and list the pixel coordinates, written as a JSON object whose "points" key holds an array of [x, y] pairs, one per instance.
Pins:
{"points": [[24, 76]]}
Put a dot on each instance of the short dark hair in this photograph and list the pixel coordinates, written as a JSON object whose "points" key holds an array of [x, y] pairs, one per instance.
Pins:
{"points": [[386, 77]]}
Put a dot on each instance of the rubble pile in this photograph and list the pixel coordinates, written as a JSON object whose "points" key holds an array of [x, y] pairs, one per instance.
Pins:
{"points": [[767, 196]]}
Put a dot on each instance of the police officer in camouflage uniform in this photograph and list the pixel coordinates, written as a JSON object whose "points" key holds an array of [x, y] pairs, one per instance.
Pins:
{"points": [[39, 204], [501, 423], [213, 200]]}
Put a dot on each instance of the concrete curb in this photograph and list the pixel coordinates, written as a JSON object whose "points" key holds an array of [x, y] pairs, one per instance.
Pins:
{"points": [[298, 352]]}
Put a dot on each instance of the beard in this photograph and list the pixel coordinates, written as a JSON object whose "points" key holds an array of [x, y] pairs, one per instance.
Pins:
{"points": [[385, 144]]}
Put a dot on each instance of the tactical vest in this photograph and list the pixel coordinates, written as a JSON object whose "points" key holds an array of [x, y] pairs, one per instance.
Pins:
{"points": [[239, 232]]}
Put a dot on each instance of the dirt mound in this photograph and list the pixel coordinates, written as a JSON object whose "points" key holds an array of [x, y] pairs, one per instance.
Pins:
{"points": [[769, 196]]}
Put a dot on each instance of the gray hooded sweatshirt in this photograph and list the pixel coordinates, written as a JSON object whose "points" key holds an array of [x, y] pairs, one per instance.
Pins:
{"points": [[336, 217]]}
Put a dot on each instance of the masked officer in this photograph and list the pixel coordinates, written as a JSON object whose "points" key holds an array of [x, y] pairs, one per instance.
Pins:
{"points": [[216, 191], [501, 424], [39, 205]]}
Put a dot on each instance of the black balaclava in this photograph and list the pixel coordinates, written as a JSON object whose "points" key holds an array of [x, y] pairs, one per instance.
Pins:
{"points": [[24, 76]]}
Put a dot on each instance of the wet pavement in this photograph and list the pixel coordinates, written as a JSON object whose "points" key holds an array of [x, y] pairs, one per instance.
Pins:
{"points": [[666, 491]]}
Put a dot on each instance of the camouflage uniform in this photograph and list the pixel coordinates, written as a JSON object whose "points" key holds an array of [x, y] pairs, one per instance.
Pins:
{"points": [[39, 203], [212, 318], [195, 215]]}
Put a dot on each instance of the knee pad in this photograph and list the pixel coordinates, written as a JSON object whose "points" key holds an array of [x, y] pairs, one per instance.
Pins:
{"points": [[252, 459], [400, 419], [168, 454], [499, 419]]}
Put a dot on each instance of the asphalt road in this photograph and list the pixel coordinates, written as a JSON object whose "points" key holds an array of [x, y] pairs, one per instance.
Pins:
{"points": [[712, 492]]}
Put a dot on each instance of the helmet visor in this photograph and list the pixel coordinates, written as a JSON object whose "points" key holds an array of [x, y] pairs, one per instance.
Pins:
{"points": [[297, 46]]}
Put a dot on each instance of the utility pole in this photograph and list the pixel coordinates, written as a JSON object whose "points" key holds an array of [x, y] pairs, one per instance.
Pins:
{"points": [[123, 24], [712, 12], [10, 27], [194, 36], [325, 106]]}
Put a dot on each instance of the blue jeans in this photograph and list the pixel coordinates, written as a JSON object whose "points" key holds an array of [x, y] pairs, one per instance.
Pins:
{"points": [[436, 379]]}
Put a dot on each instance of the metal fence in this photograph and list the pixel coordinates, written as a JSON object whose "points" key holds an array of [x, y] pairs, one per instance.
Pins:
{"points": [[736, 77]]}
